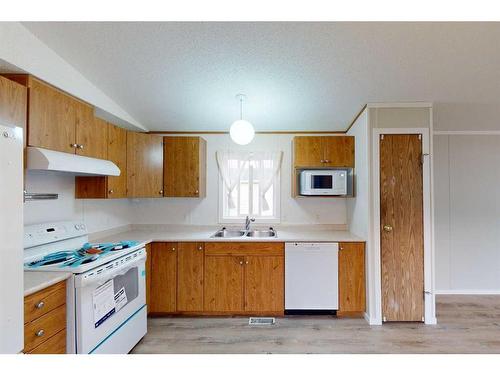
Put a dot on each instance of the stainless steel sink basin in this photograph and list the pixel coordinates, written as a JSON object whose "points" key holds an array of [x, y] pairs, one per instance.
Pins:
{"points": [[229, 233], [235, 233], [262, 233]]}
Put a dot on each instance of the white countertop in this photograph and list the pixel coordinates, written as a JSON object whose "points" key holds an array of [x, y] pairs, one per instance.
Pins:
{"points": [[38, 280], [158, 233]]}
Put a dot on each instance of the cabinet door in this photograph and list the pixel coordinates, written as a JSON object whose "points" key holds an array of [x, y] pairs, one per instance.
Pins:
{"points": [[51, 118], [117, 153], [352, 277], [338, 151], [264, 284], [223, 290], [183, 170], [308, 152], [190, 259], [91, 132], [13, 103], [163, 277], [144, 165]]}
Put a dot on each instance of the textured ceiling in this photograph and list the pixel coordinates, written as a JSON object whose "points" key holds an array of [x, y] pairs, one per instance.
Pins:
{"points": [[297, 76]]}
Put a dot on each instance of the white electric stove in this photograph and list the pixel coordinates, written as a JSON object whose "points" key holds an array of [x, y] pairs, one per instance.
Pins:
{"points": [[106, 295]]}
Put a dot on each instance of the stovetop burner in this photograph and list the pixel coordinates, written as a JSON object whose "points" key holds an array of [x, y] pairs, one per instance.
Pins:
{"points": [[86, 254]]}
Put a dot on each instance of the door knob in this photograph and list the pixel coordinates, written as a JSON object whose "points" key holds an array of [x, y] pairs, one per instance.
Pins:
{"points": [[388, 228]]}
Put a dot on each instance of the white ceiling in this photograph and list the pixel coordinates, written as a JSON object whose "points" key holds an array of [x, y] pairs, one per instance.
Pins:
{"points": [[297, 76]]}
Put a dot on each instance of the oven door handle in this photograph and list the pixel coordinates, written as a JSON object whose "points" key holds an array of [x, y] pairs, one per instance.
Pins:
{"points": [[81, 281]]}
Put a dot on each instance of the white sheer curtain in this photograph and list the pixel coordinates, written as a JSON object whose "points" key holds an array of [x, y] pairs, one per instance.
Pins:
{"points": [[231, 164], [268, 165]]}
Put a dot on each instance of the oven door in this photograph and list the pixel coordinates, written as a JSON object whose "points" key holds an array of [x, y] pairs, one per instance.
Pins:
{"points": [[107, 299]]}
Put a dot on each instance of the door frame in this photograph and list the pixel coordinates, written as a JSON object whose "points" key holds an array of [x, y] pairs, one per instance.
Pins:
{"points": [[429, 301]]}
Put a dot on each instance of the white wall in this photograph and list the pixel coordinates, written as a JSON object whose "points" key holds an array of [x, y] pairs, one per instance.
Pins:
{"points": [[18, 48], [205, 211], [467, 179], [358, 208], [99, 215]]}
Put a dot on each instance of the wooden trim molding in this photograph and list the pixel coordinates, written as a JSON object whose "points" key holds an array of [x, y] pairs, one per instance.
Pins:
{"points": [[356, 118], [176, 132]]}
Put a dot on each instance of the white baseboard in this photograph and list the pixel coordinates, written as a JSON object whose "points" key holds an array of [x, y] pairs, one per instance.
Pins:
{"points": [[468, 291]]}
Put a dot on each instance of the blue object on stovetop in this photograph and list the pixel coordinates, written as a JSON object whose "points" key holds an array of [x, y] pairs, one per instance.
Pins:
{"points": [[75, 258]]}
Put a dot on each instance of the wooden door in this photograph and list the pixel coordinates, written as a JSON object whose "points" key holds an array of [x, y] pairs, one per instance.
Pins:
{"points": [[163, 298], [264, 284], [51, 118], [338, 151], [352, 281], [223, 291], [182, 168], [401, 232], [144, 165], [117, 153], [190, 260], [308, 152], [91, 132]]}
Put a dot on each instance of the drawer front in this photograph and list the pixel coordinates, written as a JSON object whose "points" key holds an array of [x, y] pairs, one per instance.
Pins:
{"points": [[43, 328], [244, 248], [39, 303], [54, 345]]}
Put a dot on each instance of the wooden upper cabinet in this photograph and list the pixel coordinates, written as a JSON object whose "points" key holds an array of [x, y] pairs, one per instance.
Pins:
{"points": [[338, 151], [91, 133], [323, 151], [308, 151], [190, 260], [184, 167], [163, 289], [144, 165], [117, 153], [51, 118], [115, 150], [13, 103], [352, 289]]}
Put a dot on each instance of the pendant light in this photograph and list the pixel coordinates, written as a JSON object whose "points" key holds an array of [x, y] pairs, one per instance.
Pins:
{"points": [[241, 131]]}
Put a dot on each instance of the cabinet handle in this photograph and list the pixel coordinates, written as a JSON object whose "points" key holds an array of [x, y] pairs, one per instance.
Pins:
{"points": [[322, 161], [173, 249], [80, 147], [73, 145], [200, 248], [241, 262], [111, 191], [160, 192], [40, 333], [327, 161], [196, 192], [246, 262], [40, 305]]}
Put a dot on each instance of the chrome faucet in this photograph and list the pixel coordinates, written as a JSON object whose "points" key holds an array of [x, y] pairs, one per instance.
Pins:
{"points": [[248, 221]]}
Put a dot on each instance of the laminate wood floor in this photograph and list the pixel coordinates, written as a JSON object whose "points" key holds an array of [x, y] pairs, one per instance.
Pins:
{"points": [[466, 324]]}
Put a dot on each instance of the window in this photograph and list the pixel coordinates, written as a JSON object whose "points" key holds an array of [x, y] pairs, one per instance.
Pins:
{"points": [[249, 186]]}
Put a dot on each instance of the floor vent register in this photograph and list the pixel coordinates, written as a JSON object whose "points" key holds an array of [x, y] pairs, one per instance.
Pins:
{"points": [[261, 321]]}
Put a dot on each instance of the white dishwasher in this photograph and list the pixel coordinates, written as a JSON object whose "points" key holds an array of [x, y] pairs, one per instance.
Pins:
{"points": [[311, 277]]}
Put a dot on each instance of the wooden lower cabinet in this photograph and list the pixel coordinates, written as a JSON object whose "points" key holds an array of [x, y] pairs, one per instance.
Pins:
{"points": [[190, 265], [163, 290], [264, 283], [45, 320], [352, 289], [224, 283], [148, 276]]}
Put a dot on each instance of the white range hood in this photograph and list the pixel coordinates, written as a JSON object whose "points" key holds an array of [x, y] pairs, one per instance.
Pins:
{"points": [[48, 160]]}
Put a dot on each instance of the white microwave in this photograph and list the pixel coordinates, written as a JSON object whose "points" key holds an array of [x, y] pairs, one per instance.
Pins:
{"points": [[326, 182]]}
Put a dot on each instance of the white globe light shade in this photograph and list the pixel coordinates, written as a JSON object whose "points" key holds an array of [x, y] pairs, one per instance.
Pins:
{"points": [[242, 132]]}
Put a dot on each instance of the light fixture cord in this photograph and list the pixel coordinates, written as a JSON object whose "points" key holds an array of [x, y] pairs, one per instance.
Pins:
{"points": [[241, 107]]}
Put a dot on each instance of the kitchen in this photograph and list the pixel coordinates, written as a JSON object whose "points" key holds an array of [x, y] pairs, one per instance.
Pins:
{"points": [[212, 220]]}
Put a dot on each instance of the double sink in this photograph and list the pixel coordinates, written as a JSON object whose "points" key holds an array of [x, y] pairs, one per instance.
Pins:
{"points": [[237, 233]]}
